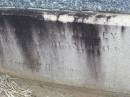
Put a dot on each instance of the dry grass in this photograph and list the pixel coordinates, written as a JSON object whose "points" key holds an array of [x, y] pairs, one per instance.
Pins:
{"points": [[9, 88]]}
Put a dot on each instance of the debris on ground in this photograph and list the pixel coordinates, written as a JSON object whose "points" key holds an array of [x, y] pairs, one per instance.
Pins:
{"points": [[9, 88]]}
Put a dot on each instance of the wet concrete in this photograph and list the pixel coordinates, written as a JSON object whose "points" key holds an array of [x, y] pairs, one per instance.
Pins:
{"points": [[72, 53]]}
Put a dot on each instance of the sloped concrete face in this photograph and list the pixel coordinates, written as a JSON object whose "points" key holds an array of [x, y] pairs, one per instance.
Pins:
{"points": [[73, 53]]}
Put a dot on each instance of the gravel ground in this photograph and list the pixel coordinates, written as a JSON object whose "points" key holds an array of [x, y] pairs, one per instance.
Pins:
{"points": [[121, 6]]}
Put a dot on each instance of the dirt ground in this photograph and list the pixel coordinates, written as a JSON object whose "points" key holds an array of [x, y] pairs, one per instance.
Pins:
{"points": [[43, 89]]}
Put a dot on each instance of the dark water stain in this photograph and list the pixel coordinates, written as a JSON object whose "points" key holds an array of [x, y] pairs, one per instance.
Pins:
{"points": [[81, 16], [108, 18], [3, 29], [88, 35], [2, 32], [55, 35], [52, 34], [54, 30], [100, 16], [1, 54], [84, 35], [105, 16], [23, 32], [123, 30]]}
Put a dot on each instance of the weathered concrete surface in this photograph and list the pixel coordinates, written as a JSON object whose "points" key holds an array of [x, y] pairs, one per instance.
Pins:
{"points": [[67, 48]]}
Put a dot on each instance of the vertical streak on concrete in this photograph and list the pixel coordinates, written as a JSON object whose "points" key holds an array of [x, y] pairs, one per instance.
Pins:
{"points": [[88, 35], [23, 32], [1, 40]]}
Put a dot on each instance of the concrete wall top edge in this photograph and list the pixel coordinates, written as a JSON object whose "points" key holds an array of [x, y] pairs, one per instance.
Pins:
{"points": [[71, 16]]}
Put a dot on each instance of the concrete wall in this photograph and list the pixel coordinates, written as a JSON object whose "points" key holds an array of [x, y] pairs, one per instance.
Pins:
{"points": [[66, 49]]}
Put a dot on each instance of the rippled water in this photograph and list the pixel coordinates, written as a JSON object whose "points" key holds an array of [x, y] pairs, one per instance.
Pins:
{"points": [[122, 6]]}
